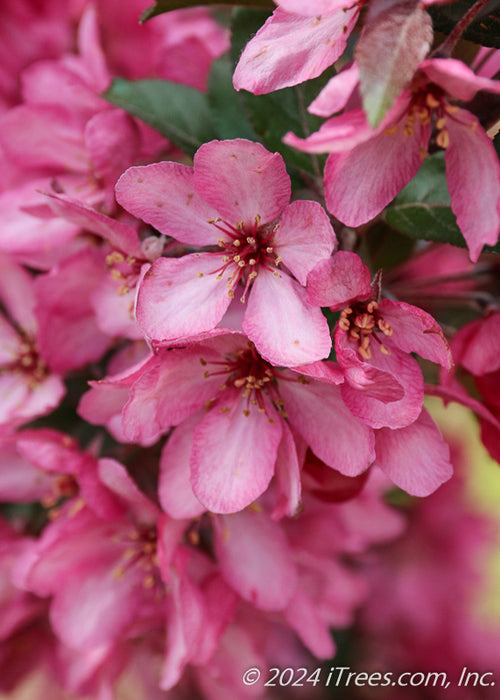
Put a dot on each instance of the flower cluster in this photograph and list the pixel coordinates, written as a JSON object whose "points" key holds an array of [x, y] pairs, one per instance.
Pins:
{"points": [[212, 372]]}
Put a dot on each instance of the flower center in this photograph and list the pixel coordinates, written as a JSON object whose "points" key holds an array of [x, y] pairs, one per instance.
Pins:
{"points": [[245, 251], [429, 105], [255, 378], [28, 362], [363, 322], [141, 551]]}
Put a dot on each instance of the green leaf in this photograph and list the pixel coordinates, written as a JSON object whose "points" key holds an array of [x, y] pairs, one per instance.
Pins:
{"points": [[423, 208], [484, 29], [226, 105], [161, 6], [178, 112], [388, 53], [273, 115]]}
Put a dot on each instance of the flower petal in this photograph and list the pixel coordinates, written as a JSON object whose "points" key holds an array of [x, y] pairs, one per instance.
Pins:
{"points": [[242, 180], [415, 458], [233, 455], [285, 328], [338, 281]]}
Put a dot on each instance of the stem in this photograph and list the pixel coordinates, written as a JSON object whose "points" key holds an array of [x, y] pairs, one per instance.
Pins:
{"points": [[448, 45]]}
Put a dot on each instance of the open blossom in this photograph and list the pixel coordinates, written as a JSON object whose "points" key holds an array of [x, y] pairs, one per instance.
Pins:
{"points": [[236, 200], [297, 43], [368, 167], [373, 341], [230, 406]]}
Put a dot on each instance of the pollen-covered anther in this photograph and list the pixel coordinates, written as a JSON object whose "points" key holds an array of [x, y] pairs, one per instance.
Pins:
{"points": [[385, 327], [443, 138], [431, 101], [114, 258], [251, 240], [365, 322]]}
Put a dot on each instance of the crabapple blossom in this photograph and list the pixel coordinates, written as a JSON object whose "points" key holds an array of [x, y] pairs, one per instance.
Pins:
{"points": [[234, 199]]}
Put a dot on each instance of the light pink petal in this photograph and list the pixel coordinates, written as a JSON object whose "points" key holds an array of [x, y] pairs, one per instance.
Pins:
{"points": [[338, 281], [182, 297], [362, 376], [120, 235], [174, 489], [20, 481], [313, 7], [285, 328], [50, 450], [473, 175], [336, 93], [416, 458], [255, 558], [9, 342], [233, 455], [378, 412], [317, 412], [416, 331], [114, 310], [324, 371], [303, 616], [26, 234], [89, 47], [93, 609], [172, 386], [242, 180], [163, 195], [114, 475], [44, 137], [300, 223], [290, 49], [185, 625], [17, 294], [23, 401], [340, 133], [360, 183], [112, 142], [287, 477], [68, 334], [456, 78]]}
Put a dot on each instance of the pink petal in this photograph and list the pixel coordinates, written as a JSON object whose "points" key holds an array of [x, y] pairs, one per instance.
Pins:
{"points": [[313, 7], [317, 412], [116, 478], [397, 413], [473, 175], [361, 182], [233, 455], [301, 222], [341, 279], [255, 559], [481, 342], [17, 294], [288, 331], [120, 235], [336, 93], [114, 311], [340, 133], [242, 180], [174, 489], [303, 616], [44, 137], [20, 481], [415, 458], [287, 477], [416, 331], [163, 195], [181, 297], [290, 49], [456, 78]]}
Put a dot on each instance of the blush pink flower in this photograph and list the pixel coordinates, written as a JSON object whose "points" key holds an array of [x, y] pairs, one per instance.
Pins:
{"points": [[368, 167], [236, 200], [373, 341]]}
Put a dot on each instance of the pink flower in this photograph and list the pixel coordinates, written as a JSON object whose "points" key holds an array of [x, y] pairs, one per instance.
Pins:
{"points": [[296, 43], [373, 341], [367, 168], [230, 450], [237, 198]]}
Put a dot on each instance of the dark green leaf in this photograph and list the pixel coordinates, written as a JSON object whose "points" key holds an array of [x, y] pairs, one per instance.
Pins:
{"points": [[226, 105], [423, 209], [178, 112], [161, 6], [273, 115], [484, 29]]}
